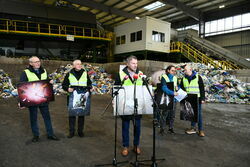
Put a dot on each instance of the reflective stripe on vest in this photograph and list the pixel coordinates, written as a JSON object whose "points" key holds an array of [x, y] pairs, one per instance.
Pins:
{"points": [[128, 82], [167, 80], [193, 86], [81, 82], [33, 77]]}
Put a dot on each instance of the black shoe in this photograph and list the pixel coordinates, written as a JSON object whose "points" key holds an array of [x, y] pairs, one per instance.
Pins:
{"points": [[81, 134], [53, 138], [71, 135], [171, 131], [35, 139]]}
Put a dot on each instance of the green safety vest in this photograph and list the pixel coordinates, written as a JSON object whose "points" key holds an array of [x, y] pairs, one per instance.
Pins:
{"points": [[128, 82], [81, 82], [193, 86], [33, 77], [167, 80]]}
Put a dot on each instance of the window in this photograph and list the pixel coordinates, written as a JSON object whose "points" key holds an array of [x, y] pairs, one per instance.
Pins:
{"points": [[123, 39], [132, 37], [154, 6], [139, 35], [118, 40], [136, 36], [221, 25], [246, 20], [214, 26], [226, 25], [158, 36], [237, 21]]}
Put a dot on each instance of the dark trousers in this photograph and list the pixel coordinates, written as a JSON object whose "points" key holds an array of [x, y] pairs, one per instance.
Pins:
{"points": [[171, 116], [46, 117], [72, 122], [125, 132]]}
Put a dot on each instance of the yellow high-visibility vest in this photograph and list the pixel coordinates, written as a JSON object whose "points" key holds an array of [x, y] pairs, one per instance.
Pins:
{"points": [[81, 82], [33, 77], [128, 82], [193, 86]]}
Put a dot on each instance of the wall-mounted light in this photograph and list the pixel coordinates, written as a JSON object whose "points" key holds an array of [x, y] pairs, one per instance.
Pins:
{"points": [[221, 6], [137, 18]]}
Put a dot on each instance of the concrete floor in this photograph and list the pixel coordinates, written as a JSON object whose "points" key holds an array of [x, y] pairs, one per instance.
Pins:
{"points": [[227, 141]]}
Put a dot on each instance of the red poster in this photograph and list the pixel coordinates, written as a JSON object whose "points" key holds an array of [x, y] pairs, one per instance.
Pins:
{"points": [[35, 93]]}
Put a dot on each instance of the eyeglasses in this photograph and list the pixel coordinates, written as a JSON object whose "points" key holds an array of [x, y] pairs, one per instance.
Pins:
{"points": [[35, 62]]}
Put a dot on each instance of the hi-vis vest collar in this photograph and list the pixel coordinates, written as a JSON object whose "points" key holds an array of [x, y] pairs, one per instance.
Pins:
{"points": [[33, 77], [193, 86], [128, 82], [167, 80], [81, 82]]}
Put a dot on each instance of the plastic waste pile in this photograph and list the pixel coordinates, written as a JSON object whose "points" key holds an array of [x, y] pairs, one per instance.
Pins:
{"points": [[101, 81], [220, 85], [6, 88]]}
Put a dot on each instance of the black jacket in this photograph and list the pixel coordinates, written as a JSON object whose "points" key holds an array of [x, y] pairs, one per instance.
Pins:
{"points": [[201, 87]]}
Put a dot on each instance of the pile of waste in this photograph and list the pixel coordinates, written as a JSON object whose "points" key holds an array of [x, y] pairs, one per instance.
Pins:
{"points": [[220, 85], [101, 81], [6, 88]]}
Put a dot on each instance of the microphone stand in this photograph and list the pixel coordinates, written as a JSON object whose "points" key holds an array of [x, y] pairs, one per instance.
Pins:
{"points": [[114, 162], [136, 163], [153, 158]]}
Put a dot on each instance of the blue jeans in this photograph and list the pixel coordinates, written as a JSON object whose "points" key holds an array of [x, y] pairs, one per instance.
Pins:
{"points": [[125, 132], [46, 117], [193, 124]]}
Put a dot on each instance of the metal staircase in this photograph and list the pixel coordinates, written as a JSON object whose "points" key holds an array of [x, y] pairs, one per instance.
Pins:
{"points": [[196, 56], [213, 50]]}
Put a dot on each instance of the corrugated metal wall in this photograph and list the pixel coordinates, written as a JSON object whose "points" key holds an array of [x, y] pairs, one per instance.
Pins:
{"points": [[238, 42]]}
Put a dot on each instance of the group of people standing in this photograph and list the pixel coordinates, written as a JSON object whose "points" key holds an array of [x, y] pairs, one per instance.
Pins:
{"points": [[78, 78], [191, 83]]}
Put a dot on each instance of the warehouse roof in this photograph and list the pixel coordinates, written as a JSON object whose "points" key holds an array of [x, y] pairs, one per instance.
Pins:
{"points": [[178, 12]]}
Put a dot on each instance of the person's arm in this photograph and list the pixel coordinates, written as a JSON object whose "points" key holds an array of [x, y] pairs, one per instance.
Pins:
{"points": [[201, 87], [89, 82], [117, 80], [65, 83], [23, 77], [165, 88]]}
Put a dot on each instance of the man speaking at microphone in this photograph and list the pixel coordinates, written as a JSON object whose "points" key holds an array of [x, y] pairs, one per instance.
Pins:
{"points": [[127, 77]]}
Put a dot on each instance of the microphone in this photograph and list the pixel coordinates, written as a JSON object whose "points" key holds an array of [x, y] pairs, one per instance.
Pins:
{"points": [[144, 77], [124, 79], [135, 76]]}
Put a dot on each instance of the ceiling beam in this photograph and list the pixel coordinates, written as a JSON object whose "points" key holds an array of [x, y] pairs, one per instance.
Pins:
{"points": [[195, 14], [102, 7], [119, 8], [140, 7]]}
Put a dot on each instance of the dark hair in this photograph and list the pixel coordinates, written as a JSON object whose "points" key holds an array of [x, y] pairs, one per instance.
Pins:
{"points": [[168, 68]]}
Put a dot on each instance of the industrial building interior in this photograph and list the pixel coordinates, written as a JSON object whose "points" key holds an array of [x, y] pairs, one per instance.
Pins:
{"points": [[102, 33]]}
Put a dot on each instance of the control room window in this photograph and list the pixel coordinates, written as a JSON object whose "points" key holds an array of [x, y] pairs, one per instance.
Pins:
{"points": [[158, 36], [132, 37], [118, 40], [139, 35], [123, 39]]}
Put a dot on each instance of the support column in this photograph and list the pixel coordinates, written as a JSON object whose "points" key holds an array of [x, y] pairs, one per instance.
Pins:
{"points": [[202, 28]]}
